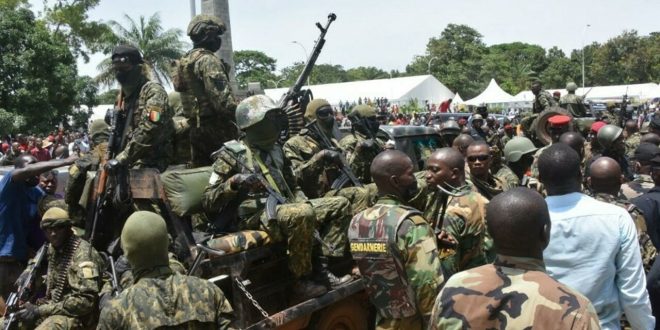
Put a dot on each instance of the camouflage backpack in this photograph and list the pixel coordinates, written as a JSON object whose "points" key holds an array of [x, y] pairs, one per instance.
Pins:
{"points": [[373, 242]]}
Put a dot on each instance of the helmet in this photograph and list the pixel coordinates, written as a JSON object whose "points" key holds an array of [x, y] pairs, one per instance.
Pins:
{"points": [[55, 217], [99, 127], [571, 87], [517, 147], [253, 109], [608, 134], [361, 111], [315, 104], [199, 24], [144, 240], [450, 127]]}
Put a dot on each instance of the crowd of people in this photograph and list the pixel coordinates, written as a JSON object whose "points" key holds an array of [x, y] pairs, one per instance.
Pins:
{"points": [[54, 145]]}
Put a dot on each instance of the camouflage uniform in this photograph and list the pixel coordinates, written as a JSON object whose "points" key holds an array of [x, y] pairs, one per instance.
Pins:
{"points": [[181, 120], [574, 104], [512, 293], [295, 221], [646, 247], [640, 185], [543, 101], [78, 177], [396, 251], [508, 178], [49, 201], [149, 134], [73, 283], [632, 142], [463, 219], [491, 187], [360, 159], [207, 98], [173, 300]]}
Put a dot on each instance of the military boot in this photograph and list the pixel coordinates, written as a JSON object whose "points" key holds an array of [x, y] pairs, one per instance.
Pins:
{"points": [[305, 288], [323, 274]]}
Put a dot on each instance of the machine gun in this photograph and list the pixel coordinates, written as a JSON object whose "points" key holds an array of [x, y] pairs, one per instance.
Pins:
{"points": [[347, 173], [24, 290], [295, 95]]}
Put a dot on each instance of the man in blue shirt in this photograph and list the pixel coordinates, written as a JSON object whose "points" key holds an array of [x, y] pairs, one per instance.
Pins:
{"points": [[19, 221], [593, 245]]}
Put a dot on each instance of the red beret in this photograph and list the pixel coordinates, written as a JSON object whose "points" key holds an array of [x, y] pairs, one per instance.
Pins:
{"points": [[596, 126], [462, 121], [559, 120], [556, 93]]}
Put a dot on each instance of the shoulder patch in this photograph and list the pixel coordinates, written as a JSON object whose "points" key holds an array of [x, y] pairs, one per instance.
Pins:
{"points": [[154, 112], [417, 219], [89, 269]]}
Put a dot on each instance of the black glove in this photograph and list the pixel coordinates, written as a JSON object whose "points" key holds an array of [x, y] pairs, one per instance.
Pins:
{"points": [[332, 157], [29, 313], [249, 182]]}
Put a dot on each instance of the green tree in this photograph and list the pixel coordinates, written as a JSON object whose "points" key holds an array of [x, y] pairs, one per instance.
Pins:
{"points": [[37, 70], [512, 64], [108, 97], [321, 74], [254, 66], [365, 73], [159, 48], [560, 70]]}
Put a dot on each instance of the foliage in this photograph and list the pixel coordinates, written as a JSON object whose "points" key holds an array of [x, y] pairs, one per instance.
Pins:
{"points": [[512, 65], [108, 97], [254, 66], [365, 73], [412, 106], [159, 48]]}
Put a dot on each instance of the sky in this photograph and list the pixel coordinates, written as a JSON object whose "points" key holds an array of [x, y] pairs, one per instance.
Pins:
{"points": [[388, 34]]}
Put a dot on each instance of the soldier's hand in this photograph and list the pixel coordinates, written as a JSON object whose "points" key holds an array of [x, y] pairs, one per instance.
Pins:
{"points": [[249, 182], [29, 313], [331, 157], [446, 241]]}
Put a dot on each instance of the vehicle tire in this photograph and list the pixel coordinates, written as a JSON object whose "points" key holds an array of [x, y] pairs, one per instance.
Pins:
{"points": [[541, 123], [347, 314]]}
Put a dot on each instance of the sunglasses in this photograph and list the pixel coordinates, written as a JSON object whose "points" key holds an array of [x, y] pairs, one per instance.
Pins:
{"points": [[481, 158], [324, 112]]}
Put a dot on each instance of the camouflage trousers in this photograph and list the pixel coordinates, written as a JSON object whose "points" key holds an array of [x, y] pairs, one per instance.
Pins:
{"points": [[53, 322], [333, 216], [210, 136], [359, 198], [413, 323]]}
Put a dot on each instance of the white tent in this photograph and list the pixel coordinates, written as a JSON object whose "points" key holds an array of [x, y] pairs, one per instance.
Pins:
{"points": [[396, 90], [493, 94], [457, 99], [638, 92]]}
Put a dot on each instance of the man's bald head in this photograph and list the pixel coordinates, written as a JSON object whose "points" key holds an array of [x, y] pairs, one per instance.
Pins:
{"points": [[462, 142], [24, 160], [605, 176], [559, 169], [650, 138], [519, 223], [445, 167], [631, 126], [574, 140], [391, 171], [449, 156]]}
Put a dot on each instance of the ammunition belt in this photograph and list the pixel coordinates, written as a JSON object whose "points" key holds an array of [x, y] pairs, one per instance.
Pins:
{"points": [[61, 264]]}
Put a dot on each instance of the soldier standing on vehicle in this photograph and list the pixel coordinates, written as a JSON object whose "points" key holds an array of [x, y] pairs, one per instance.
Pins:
{"points": [[161, 298], [73, 280], [203, 81], [543, 100], [632, 139], [514, 292], [574, 104], [395, 248], [235, 191], [361, 145], [146, 135]]}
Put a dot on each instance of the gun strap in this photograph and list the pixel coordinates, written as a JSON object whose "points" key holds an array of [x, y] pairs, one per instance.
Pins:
{"points": [[265, 170]]}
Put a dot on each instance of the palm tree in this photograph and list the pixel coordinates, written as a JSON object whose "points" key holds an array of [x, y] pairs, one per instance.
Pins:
{"points": [[159, 48]]}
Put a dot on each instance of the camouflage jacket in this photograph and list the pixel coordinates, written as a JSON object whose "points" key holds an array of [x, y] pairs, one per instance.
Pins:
{"points": [[149, 134], [508, 178], [574, 104], [640, 185], [464, 219], [73, 280], [219, 194], [632, 142], [360, 158], [489, 188], [512, 293], [75, 186], [207, 90], [396, 251], [646, 247], [164, 300], [543, 101], [314, 176]]}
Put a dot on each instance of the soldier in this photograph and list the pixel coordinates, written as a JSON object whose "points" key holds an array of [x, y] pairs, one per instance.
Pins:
{"points": [[99, 133], [642, 182], [632, 137], [514, 292], [542, 99], [573, 103], [519, 156], [203, 81], [604, 181], [576, 142], [147, 119], [610, 138], [477, 132], [508, 134], [361, 145], [479, 160], [73, 279], [448, 132], [456, 209], [182, 149], [461, 143], [395, 248], [591, 147], [160, 298], [557, 125], [237, 193]]}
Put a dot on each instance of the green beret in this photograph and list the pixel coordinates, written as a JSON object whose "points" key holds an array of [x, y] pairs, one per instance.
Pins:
{"points": [[363, 111], [55, 217], [200, 22], [312, 107]]}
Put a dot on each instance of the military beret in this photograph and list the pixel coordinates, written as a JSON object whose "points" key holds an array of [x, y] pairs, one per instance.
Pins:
{"points": [[596, 126], [655, 123], [55, 217], [200, 22], [559, 120], [646, 151], [123, 53]]}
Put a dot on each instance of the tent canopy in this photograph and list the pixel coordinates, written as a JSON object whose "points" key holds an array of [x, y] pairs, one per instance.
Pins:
{"points": [[603, 93], [492, 94], [396, 90], [457, 99]]}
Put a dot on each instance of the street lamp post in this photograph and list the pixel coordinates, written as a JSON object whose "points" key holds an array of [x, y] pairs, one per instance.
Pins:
{"points": [[193, 11], [583, 33], [306, 57], [429, 64]]}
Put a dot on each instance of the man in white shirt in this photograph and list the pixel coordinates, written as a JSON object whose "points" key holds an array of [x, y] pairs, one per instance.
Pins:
{"points": [[593, 245]]}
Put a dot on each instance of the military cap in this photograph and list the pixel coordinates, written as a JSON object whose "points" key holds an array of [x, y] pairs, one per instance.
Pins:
{"points": [[126, 53], [477, 117], [55, 217], [144, 240], [571, 87], [608, 134], [200, 22], [517, 147], [450, 127], [596, 126], [363, 111], [312, 107], [559, 120], [655, 123], [98, 127], [646, 151]]}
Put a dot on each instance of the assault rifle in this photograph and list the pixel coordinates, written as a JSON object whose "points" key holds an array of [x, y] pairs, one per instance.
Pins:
{"points": [[116, 288], [295, 95], [24, 290], [347, 173]]}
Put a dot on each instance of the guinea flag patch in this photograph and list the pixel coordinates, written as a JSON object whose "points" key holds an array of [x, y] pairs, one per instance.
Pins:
{"points": [[154, 114]]}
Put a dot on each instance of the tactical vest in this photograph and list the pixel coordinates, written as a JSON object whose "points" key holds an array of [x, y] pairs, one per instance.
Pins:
{"points": [[373, 242], [194, 98]]}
